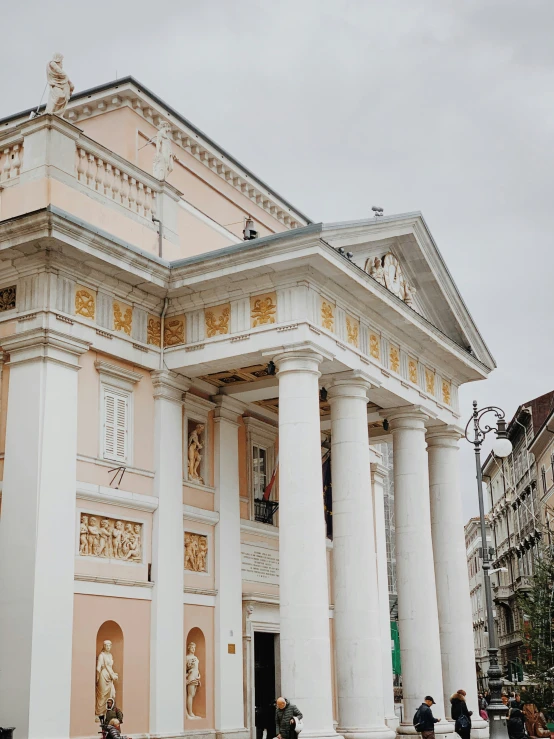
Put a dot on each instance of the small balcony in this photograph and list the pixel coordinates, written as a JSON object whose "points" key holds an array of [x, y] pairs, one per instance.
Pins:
{"points": [[264, 510], [523, 582]]}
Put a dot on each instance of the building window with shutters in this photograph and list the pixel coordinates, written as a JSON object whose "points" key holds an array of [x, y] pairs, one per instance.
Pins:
{"points": [[116, 424]]}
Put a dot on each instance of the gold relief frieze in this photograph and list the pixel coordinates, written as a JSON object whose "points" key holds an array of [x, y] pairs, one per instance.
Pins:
{"points": [[7, 298], [374, 346], [352, 331], [85, 302], [328, 315], [217, 319], [196, 552], [122, 317], [429, 381], [394, 358], [412, 370], [110, 538], [263, 309], [446, 392], [154, 331], [174, 331]]}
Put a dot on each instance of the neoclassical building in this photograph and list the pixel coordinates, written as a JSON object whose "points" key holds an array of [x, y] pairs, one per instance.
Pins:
{"points": [[168, 393]]}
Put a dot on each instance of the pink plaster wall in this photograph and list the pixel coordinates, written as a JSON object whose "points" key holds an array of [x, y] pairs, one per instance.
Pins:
{"points": [[133, 617], [202, 617], [198, 498]]}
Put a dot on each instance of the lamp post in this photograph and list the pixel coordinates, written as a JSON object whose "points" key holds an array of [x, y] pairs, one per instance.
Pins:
{"points": [[502, 448]]}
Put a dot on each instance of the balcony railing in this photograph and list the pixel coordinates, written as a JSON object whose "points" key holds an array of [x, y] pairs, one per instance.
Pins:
{"points": [[264, 510]]}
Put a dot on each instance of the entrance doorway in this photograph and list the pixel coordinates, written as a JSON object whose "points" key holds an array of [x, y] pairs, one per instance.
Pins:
{"points": [[265, 683]]}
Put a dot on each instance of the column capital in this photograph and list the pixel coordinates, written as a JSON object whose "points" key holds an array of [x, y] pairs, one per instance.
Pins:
{"points": [[406, 417], [227, 409], [44, 344], [301, 357], [169, 385], [351, 384], [378, 471], [444, 436]]}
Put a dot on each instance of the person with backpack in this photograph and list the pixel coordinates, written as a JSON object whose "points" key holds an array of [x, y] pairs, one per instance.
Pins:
{"points": [[424, 721], [461, 714]]}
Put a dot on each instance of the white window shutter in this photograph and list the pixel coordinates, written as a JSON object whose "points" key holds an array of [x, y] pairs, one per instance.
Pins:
{"points": [[116, 422]]}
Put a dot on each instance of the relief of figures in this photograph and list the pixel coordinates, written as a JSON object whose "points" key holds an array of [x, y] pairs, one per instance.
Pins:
{"points": [[196, 552], [110, 538]]}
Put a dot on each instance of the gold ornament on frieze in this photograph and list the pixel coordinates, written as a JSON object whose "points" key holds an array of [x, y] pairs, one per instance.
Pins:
{"points": [[394, 359], [446, 392], [217, 320], [327, 315], [110, 538], [430, 381], [122, 317], [85, 303], [196, 552], [7, 298], [412, 370], [174, 331], [352, 330], [263, 309], [374, 346], [154, 331]]}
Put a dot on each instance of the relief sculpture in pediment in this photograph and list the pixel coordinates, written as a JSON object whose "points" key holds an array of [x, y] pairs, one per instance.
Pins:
{"points": [[387, 270]]}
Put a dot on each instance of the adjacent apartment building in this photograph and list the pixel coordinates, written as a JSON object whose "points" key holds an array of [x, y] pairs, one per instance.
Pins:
{"points": [[477, 590]]}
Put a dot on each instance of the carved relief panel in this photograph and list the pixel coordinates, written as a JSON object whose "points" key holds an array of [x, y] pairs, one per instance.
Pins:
{"points": [[196, 552], [122, 317], [327, 315], [154, 331], [110, 538], [352, 331], [263, 309], [7, 298], [174, 330], [85, 302], [217, 320]]}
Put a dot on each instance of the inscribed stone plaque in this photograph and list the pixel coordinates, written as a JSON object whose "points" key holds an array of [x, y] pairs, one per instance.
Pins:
{"points": [[260, 564]]}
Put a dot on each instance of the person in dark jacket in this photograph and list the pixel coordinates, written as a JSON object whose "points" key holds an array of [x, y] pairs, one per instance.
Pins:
{"points": [[516, 702], [113, 729], [426, 724], [284, 718], [459, 708], [112, 711], [516, 725]]}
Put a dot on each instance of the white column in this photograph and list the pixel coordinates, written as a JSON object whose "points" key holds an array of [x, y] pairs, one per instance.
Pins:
{"points": [[454, 604], [303, 592], [38, 534], [229, 689], [378, 476], [356, 592], [166, 631], [418, 620]]}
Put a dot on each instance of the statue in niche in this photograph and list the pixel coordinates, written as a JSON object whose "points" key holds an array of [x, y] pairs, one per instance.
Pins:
{"points": [[61, 87], [105, 679], [375, 269], [163, 161], [193, 677], [194, 456]]}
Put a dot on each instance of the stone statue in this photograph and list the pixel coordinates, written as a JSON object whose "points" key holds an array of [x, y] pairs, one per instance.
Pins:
{"points": [[61, 86], [113, 539], [194, 456], [376, 270], [409, 293], [202, 553], [83, 538], [193, 677], [196, 552], [105, 679], [163, 161], [93, 536]]}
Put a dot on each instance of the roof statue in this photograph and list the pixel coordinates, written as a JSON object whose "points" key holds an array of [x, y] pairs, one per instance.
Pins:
{"points": [[60, 85], [388, 272], [163, 161]]}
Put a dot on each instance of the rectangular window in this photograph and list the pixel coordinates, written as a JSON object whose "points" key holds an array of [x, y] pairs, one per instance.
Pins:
{"points": [[115, 410], [259, 470], [552, 464], [543, 477]]}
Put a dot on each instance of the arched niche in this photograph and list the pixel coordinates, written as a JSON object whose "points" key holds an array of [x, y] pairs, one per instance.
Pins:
{"points": [[110, 630], [199, 703]]}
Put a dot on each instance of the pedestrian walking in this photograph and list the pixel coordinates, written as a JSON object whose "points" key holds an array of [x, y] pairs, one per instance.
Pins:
{"points": [[424, 721], [286, 717], [516, 725], [461, 715]]}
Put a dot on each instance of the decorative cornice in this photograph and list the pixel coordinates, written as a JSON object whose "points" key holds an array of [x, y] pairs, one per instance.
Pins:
{"points": [[200, 515], [44, 344], [227, 408], [169, 385], [123, 498], [113, 370]]}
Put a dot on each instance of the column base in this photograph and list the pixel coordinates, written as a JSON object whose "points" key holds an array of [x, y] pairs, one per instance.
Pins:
{"points": [[479, 728], [392, 722], [320, 734], [377, 732], [443, 727], [233, 734]]}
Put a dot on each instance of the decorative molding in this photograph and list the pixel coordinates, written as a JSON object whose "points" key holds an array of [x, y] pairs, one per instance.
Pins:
{"points": [[85, 302], [174, 330], [108, 463], [125, 499], [259, 529], [217, 319], [113, 371], [113, 588], [122, 317], [200, 515], [263, 309]]}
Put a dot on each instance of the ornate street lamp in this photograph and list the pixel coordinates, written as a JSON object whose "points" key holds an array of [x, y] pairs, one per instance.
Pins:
{"points": [[502, 447]]}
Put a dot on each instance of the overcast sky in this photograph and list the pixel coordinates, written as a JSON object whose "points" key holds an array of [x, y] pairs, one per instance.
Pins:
{"points": [[439, 106]]}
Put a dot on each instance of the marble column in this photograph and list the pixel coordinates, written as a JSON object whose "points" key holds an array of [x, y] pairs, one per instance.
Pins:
{"points": [[304, 599], [454, 604], [229, 688], [356, 592], [38, 533], [418, 619], [166, 625], [378, 477]]}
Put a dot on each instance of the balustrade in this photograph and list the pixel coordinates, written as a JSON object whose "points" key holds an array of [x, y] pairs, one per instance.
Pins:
{"points": [[11, 158], [115, 184]]}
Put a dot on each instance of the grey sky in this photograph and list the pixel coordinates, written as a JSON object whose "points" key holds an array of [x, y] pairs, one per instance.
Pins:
{"points": [[439, 106]]}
